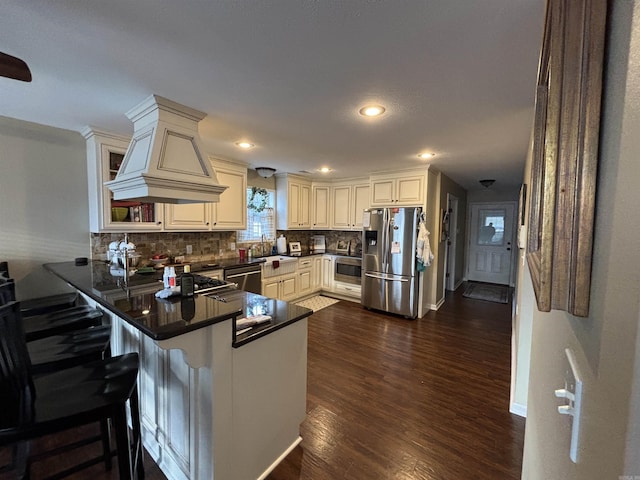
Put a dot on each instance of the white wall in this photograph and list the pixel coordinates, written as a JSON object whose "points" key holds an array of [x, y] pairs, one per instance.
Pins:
{"points": [[605, 343], [43, 208]]}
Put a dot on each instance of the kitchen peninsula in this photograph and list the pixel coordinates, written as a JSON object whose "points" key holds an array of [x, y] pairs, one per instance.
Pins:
{"points": [[215, 403]]}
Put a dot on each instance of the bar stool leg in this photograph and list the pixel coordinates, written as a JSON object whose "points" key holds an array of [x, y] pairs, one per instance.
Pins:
{"points": [[138, 450], [106, 443], [122, 443]]}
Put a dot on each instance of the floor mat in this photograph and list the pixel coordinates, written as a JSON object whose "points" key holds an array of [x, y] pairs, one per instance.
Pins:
{"points": [[317, 303], [488, 292]]}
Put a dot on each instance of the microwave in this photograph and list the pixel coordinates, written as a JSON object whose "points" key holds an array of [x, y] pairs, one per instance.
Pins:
{"points": [[348, 269]]}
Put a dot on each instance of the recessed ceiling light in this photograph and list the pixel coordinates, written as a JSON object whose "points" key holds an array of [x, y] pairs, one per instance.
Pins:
{"points": [[245, 145], [325, 170], [426, 155], [372, 110]]}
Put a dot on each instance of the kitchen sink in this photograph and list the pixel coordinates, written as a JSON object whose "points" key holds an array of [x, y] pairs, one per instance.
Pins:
{"points": [[283, 265]]}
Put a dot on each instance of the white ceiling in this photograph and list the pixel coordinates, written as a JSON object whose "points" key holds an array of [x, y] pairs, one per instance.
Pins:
{"points": [[457, 77]]}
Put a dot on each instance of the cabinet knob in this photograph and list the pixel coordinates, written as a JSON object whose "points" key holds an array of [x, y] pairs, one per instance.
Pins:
{"points": [[159, 223], [207, 223]]}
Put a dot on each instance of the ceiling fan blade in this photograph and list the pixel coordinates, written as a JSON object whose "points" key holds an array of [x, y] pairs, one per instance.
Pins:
{"points": [[12, 67]]}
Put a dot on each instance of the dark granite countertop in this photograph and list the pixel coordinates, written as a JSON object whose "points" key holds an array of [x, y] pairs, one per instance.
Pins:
{"points": [[165, 318]]}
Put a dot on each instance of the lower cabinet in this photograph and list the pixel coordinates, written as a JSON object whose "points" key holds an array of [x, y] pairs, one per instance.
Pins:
{"points": [[347, 289], [305, 276], [316, 274], [328, 265], [284, 287]]}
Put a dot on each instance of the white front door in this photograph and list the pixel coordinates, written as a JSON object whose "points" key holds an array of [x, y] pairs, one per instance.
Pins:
{"points": [[491, 237]]}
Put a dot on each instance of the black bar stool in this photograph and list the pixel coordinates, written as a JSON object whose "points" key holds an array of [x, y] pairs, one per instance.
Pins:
{"points": [[31, 407], [40, 305]]}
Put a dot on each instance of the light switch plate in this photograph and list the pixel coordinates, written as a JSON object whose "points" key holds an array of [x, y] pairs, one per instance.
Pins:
{"points": [[572, 393]]}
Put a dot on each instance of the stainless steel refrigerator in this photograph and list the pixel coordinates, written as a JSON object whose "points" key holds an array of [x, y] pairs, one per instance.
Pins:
{"points": [[389, 275]]}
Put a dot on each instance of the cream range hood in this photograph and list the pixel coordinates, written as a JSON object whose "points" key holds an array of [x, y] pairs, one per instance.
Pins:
{"points": [[164, 162]]}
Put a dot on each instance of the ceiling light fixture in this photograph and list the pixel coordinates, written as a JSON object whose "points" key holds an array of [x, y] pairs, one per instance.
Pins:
{"points": [[265, 172], [487, 182], [372, 110], [426, 155], [325, 170], [245, 145]]}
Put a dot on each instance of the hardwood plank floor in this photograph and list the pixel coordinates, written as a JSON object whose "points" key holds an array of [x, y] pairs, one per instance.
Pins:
{"points": [[390, 398]]}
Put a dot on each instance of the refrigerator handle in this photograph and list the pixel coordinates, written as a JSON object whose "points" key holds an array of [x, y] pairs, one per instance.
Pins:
{"points": [[383, 277], [385, 240]]}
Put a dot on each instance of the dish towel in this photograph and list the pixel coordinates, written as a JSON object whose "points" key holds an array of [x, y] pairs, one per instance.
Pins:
{"points": [[424, 255]]}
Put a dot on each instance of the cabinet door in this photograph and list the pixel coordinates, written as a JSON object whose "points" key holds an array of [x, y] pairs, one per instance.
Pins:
{"points": [[293, 204], [320, 207], [304, 282], [327, 273], [382, 192], [105, 153], [360, 202], [316, 274], [187, 217], [347, 289], [305, 206], [288, 288], [340, 217], [270, 288], [410, 190], [230, 213]]}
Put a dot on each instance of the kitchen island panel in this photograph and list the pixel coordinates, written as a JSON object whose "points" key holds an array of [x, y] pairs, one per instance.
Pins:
{"points": [[269, 398], [214, 405]]}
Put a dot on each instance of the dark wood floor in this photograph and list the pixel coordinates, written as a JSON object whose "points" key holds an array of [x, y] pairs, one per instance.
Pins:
{"points": [[390, 398]]}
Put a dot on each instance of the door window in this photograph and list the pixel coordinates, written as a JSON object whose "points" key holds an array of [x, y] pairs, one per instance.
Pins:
{"points": [[491, 227]]}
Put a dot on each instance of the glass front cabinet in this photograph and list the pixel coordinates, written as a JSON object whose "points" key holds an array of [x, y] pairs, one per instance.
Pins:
{"points": [[105, 152]]}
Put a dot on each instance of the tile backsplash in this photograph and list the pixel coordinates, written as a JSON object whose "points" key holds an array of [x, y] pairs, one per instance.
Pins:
{"points": [[212, 245]]}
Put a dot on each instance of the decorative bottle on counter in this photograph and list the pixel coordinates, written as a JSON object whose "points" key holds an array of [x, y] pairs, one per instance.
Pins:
{"points": [[187, 282]]}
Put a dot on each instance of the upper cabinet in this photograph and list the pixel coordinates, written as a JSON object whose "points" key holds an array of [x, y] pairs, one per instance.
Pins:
{"points": [[348, 201], [105, 152], [230, 213], [293, 203], [403, 189], [320, 202]]}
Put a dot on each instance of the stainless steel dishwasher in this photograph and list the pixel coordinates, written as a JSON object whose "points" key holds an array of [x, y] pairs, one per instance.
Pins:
{"points": [[248, 277]]}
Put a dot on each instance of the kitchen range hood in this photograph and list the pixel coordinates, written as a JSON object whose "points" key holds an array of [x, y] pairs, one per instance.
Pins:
{"points": [[164, 162]]}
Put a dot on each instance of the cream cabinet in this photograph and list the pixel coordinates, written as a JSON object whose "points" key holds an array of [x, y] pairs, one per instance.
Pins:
{"points": [[188, 217], [348, 201], [320, 202], [230, 213], [305, 276], [328, 265], [293, 203], [284, 287], [347, 289], [316, 274], [105, 152], [405, 189]]}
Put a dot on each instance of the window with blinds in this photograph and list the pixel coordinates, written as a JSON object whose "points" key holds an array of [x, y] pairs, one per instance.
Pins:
{"points": [[260, 223]]}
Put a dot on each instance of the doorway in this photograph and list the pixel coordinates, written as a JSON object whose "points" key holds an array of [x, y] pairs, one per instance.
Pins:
{"points": [[451, 243], [490, 253]]}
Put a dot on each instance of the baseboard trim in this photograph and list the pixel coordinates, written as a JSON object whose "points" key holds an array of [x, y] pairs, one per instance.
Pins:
{"points": [[518, 409], [266, 473], [436, 306]]}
